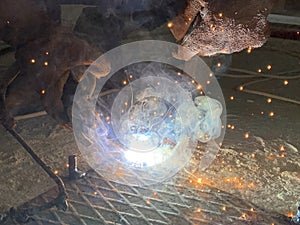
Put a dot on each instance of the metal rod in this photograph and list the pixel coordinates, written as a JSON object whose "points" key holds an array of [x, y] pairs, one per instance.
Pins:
{"points": [[72, 167], [60, 202]]}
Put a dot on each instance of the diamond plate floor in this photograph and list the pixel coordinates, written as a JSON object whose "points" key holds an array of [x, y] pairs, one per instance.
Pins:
{"points": [[94, 200]]}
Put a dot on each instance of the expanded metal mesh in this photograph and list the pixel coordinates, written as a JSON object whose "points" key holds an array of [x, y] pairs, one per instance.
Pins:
{"points": [[94, 200]]}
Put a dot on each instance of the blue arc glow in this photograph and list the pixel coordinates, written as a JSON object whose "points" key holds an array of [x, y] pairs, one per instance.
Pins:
{"points": [[147, 129]]}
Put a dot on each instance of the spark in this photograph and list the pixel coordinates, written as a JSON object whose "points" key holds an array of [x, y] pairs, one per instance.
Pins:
{"points": [[243, 216], [251, 184], [170, 25], [230, 126], [249, 50]]}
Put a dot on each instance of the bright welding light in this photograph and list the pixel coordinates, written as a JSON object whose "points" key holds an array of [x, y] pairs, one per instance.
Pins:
{"points": [[144, 159], [143, 150], [143, 142], [147, 149]]}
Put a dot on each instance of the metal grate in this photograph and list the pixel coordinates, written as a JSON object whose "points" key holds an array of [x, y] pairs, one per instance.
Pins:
{"points": [[94, 200]]}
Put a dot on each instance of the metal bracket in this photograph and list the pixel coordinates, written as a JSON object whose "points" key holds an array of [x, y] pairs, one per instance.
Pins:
{"points": [[74, 173]]}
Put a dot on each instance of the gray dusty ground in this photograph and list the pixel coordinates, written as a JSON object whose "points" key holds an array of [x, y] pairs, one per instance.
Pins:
{"points": [[265, 167]]}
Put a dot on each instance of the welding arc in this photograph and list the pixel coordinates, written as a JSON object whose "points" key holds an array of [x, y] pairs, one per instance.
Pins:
{"points": [[24, 215]]}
